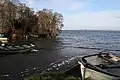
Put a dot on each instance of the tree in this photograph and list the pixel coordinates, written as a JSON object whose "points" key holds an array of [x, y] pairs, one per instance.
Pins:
{"points": [[26, 17], [14, 17], [49, 22], [7, 15]]}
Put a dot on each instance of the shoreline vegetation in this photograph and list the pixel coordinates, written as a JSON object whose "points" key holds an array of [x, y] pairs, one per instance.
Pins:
{"points": [[19, 22], [54, 76]]}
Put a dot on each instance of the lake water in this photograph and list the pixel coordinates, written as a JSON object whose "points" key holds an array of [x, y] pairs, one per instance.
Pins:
{"points": [[69, 43]]}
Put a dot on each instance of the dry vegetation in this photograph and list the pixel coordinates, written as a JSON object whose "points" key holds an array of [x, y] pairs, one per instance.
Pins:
{"points": [[14, 17], [54, 76]]}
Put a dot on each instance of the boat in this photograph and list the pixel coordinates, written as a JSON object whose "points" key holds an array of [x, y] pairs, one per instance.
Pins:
{"points": [[13, 49], [102, 66], [3, 38]]}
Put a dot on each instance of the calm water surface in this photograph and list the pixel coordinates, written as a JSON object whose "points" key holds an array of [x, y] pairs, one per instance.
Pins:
{"points": [[68, 44]]}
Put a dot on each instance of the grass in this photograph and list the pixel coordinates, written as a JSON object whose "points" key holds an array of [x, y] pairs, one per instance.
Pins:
{"points": [[53, 76]]}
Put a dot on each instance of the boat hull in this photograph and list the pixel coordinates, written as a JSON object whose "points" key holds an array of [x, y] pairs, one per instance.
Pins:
{"points": [[95, 75], [94, 70], [15, 52]]}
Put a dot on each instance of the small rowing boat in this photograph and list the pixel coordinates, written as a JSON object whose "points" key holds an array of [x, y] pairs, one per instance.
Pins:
{"points": [[102, 66], [13, 49]]}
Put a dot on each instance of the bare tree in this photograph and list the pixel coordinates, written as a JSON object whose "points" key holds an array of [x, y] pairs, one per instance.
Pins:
{"points": [[49, 22], [26, 18], [20, 17], [7, 13]]}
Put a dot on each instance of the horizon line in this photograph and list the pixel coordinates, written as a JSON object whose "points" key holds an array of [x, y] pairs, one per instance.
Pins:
{"points": [[91, 29]]}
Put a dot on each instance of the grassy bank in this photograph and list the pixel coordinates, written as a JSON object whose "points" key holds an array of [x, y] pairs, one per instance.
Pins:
{"points": [[53, 76]]}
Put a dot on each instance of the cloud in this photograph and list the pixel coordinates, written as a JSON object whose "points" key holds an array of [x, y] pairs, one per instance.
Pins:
{"points": [[75, 6], [102, 20], [30, 2], [57, 5]]}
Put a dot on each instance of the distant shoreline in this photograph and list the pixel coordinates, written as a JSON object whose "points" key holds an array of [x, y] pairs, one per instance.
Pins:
{"points": [[90, 30]]}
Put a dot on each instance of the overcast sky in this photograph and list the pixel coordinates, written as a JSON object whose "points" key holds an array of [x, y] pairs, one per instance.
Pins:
{"points": [[83, 14]]}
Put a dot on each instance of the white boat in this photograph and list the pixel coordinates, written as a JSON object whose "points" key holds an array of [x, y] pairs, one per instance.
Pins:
{"points": [[3, 39], [100, 66]]}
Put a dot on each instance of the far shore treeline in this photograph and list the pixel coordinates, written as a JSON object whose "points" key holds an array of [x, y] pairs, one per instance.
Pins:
{"points": [[20, 21]]}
